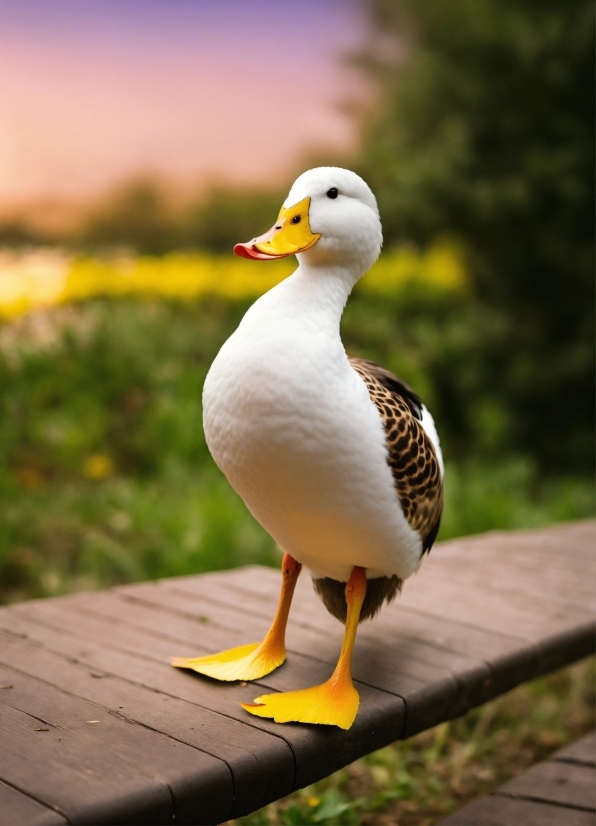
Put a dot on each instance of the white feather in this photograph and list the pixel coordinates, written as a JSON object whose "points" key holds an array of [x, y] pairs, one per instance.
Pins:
{"points": [[428, 423]]}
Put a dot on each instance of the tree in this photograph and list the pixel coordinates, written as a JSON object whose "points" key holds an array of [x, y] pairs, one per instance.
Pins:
{"points": [[225, 215], [484, 129], [134, 215]]}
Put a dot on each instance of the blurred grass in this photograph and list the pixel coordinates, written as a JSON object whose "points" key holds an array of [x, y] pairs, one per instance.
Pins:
{"points": [[106, 476], [420, 781], [104, 472]]}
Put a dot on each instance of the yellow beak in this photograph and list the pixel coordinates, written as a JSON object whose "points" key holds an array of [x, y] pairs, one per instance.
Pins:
{"points": [[290, 234]]}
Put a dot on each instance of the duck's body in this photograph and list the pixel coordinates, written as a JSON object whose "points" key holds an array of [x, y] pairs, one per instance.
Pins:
{"points": [[335, 457], [292, 425]]}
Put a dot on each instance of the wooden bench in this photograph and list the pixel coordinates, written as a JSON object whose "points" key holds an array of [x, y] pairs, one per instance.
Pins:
{"points": [[96, 727], [560, 791]]}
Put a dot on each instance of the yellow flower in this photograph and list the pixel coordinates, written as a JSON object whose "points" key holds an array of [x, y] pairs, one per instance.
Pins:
{"points": [[47, 277], [98, 467], [313, 802]]}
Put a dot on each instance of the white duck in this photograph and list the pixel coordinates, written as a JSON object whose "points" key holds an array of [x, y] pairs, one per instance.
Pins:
{"points": [[335, 457]]}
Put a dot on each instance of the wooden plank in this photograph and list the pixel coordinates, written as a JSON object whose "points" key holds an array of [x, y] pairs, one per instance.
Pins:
{"points": [[428, 640], [448, 580], [334, 747], [517, 552], [309, 612], [480, 680], [499, 572], [565, 542], [60, 768], [556, 792], [16, 807], [256, 590], [475, 683], [258, 595], [567, 784], [570, 538], [181, 629], [322, 644], [493, 611], [567, 646], [420, 681], [258, 762], [190, 775], [431, 689], [314, 747], [142, 616], [583, 751], [497, 810]]}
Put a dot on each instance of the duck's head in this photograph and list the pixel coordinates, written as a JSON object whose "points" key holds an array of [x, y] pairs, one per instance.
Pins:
{"points": [[329, 217]]}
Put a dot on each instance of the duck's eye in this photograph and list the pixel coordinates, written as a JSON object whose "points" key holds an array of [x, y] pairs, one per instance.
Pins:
{"points": [[332, 193], [296, 219]]}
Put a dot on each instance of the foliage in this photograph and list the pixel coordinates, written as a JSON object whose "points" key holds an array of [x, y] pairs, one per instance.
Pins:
{"points": [[145, 216], [483, 128], [15, 232], [121, 382], [224, 216], [104, 472], [136, 214], [422, 780]]}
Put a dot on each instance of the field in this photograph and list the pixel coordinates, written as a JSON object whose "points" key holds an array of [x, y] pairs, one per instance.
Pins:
{"points": [[105, 476]]}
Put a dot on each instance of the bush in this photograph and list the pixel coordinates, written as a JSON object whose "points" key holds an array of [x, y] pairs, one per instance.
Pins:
{"points": [[483, 129]]}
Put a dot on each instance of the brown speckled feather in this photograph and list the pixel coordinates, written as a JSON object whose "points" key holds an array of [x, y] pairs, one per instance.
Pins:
{"points": [[410, 453]]}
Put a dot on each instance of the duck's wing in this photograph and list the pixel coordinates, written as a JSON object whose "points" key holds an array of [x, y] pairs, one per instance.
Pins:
{"points": [[411, 454]]}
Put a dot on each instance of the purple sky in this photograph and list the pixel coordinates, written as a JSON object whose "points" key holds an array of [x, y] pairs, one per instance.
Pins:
{"points": [[92, 91]]}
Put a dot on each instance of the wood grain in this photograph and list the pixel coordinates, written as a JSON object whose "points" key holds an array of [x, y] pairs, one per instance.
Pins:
{"points": [[86, 784], [227, 756]]}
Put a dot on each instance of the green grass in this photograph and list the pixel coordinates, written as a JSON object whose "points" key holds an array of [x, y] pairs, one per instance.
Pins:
{"points": [[121, 382], [104, 472], [420, 781]]}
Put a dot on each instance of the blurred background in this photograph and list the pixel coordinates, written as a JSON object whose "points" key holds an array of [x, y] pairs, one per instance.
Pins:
{"points": [[141, 142]]}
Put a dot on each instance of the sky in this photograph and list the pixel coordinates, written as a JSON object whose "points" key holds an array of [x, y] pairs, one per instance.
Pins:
{"points": [[96, 91]]}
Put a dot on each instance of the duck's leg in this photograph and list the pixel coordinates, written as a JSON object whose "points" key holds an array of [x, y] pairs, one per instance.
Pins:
{"points": [[250, 662], [334, 702]]}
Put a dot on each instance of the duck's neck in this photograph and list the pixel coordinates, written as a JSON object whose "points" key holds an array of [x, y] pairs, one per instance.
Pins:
{"points": [[318, 294]]}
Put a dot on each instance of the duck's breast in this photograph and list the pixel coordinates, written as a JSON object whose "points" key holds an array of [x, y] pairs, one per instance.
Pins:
{"points": [[294, 430]]}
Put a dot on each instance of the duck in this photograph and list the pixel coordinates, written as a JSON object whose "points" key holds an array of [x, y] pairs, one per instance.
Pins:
{"points": [[336, 457]]}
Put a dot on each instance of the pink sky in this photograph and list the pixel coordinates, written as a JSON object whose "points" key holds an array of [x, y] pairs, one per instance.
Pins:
{"points": [[93, 91]]}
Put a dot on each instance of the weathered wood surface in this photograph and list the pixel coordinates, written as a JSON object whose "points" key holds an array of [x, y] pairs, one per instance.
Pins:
{"points": [[483, 614], [559, 792]]}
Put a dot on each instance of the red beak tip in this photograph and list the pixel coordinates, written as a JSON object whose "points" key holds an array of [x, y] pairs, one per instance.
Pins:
{"points": [[242, 250], [249, 251]]}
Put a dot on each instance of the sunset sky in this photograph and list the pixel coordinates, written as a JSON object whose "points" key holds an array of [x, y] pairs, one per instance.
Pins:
{"points": [[93, 91]]}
